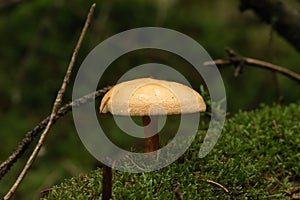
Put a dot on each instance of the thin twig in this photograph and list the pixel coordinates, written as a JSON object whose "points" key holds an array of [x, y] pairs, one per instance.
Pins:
{"points": [[237, 60], [55, 108], [30, 135], [218, 184]]}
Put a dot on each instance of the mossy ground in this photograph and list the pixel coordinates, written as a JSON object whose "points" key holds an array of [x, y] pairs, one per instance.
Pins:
{"points": [[256, 157]]}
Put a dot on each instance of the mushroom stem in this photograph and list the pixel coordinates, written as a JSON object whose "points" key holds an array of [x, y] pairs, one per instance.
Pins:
{"points": [[107, 183], [150, 127]]}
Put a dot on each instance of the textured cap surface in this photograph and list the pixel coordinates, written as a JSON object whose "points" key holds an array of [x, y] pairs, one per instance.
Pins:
{"points": [[147, 96]]}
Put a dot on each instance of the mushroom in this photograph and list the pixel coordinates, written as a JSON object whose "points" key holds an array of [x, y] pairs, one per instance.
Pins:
{"points": [[149, 98]]}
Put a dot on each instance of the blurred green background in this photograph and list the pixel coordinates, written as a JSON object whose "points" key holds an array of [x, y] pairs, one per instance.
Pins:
{"points": [[37, 40]]}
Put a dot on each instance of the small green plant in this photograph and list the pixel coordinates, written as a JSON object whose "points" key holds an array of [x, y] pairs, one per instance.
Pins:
{"points": [[256, 157]]}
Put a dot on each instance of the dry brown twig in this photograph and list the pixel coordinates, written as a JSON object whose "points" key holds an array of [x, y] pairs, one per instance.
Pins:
{"points": [[218, 184], [239, 61], [55, 108]]}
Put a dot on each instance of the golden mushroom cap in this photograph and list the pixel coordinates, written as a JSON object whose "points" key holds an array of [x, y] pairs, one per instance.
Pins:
{"points": [[147, 96]]}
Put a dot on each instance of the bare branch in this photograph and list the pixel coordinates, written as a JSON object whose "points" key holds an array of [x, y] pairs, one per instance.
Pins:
{"points": [[239, 61], [55, 108], [30, 135]]}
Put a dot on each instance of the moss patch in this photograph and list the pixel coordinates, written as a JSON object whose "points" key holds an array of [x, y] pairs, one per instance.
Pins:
{"points": [[256, 157]]}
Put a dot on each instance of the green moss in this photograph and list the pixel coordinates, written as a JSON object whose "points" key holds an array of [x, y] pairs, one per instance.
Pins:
{"points": [[256, 157]]}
